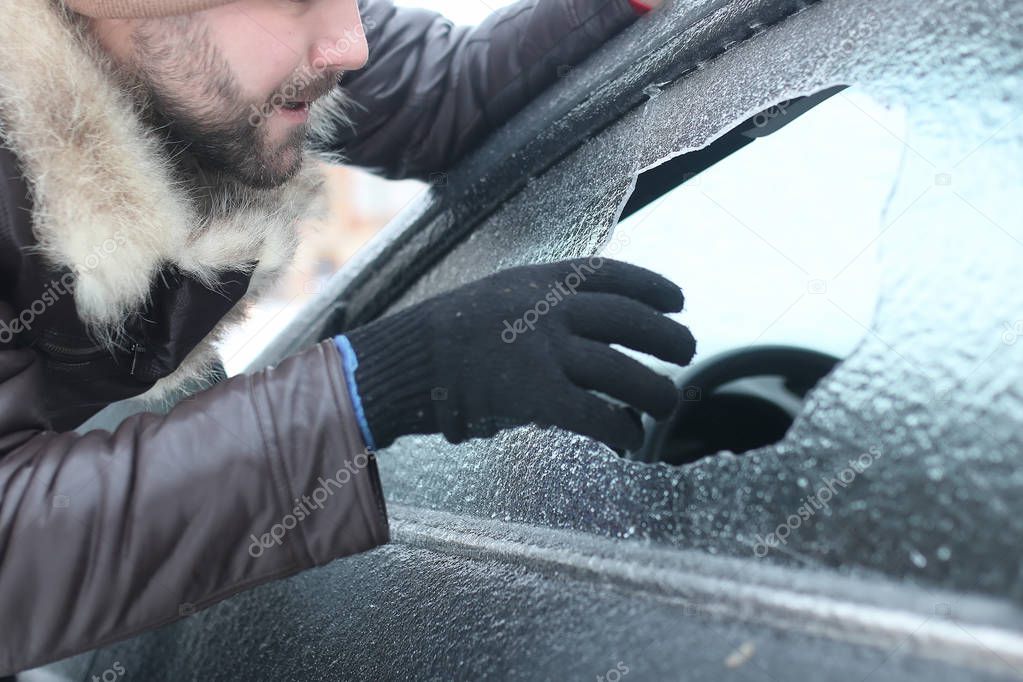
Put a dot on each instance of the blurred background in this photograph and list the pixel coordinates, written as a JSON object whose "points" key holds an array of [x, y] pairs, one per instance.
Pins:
{"points": [[359, 205]]}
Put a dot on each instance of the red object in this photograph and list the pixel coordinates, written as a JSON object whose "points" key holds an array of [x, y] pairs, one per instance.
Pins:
{"points": [[640, 6]]}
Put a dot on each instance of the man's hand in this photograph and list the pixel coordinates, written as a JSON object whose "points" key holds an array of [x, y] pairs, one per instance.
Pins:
{"points": [[523, 346]]}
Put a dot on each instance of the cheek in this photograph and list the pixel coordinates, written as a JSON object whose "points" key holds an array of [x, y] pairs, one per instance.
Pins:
{"points": [[263, 69], [261, 62]]}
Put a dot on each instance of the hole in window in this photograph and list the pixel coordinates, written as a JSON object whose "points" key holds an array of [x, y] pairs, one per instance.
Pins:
{"points": [[772, 233]]}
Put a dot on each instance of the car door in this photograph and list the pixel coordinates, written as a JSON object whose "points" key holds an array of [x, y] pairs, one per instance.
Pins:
{"points": [[874, 537]]}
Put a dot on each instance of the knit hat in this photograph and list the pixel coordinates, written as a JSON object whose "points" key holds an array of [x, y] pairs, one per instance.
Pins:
{"points": [[140, 8]]}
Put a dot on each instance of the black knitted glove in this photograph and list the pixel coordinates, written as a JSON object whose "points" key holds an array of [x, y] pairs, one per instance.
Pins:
{"points": [[522, 346]]}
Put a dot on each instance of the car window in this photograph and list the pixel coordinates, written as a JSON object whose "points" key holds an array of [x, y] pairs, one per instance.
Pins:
{"points": [[917, 419]]}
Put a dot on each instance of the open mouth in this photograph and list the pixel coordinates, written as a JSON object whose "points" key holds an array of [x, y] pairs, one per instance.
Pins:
{"points": [[296, 106]]}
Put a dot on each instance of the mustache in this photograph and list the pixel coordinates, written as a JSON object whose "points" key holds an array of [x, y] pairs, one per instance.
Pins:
{"points": [[310, 92]]}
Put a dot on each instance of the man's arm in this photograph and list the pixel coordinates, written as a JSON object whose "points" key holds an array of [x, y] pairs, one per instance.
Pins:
{"points": [[431, 91], [105, 535]]}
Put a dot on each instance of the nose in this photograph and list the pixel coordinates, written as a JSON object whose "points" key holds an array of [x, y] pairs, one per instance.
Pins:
{"points": [[343, 46]]}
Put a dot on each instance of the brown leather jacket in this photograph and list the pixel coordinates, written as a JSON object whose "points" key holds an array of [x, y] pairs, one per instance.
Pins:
{"points": [[104, 535]]}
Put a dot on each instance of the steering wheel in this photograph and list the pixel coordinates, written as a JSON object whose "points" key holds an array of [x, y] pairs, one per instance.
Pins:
{"points": [[736, 401]]}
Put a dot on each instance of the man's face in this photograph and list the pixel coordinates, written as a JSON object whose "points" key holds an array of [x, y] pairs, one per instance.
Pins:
{"points": [[230, 85]]}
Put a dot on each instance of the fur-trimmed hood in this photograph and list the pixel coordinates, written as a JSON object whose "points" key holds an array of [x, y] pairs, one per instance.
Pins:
{"points": [[99, 177]]}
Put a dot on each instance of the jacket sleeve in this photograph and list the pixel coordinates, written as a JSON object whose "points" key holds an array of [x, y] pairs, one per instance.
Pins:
{"points": [[431, 91], [105, 535]]}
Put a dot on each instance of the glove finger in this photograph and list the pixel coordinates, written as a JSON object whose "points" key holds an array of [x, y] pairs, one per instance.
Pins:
{"points": [[597, 366], [638, 421], [611, 318], [617, 427], [605, 275]]}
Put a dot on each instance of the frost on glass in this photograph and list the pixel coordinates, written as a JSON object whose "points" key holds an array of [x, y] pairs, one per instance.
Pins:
{"points": [[916, 436]]}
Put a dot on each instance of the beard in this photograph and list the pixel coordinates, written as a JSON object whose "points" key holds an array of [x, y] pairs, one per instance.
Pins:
{"points": [[208, 129], [225, 142]]}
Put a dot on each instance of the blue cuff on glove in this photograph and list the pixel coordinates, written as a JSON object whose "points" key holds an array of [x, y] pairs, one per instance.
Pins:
{"points": [[351, 363]]}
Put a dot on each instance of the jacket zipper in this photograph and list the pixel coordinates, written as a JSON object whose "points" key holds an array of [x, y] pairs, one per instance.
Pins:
{"points": [[84, 355], [74, 357], [71, 352], [136, 349]]}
